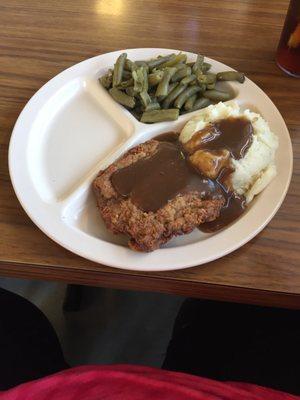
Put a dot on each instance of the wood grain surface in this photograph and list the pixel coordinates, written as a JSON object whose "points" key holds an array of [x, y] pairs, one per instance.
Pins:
{"points": [[39, 39]]}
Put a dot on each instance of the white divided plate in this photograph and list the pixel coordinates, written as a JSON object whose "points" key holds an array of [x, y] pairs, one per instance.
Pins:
{"points": [[71, 128]]}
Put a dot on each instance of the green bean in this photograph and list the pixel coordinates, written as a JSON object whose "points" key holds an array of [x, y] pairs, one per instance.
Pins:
{"points": [[142, 64], [217, 95], [125, 84], [173, 95], [206, 78], [202, 102], [145, 98], [137, 113], [188, 79], [155, 78], [130, 91], [201, 78], [188, 105], [122, 97], [140, 79], [160, 115], [198, 63], [205, 67], [174, 60], [231, 76], [180, 65], [210, 78], [171, 82], [154, 105], [152, 94], [126, 75], [181, 73], [129, 65], [170, 88], [159, 61], [106, 80], [162, 88], [182, 98], [118, 69], [145, 83], [202, 87], [211, 86]]}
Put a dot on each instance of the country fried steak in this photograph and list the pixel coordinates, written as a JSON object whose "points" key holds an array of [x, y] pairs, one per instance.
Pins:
{"points": [[148, 230]]}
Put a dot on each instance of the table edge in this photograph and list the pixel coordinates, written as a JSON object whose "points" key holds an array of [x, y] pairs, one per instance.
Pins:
{"points": [[120, 280]]}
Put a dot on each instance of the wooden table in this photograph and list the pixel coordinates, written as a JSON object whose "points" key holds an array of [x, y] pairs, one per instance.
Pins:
{"points": [[38, 39]]}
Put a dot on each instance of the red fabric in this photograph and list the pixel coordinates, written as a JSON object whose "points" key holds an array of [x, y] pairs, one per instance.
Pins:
{"points": [[135, 383]]}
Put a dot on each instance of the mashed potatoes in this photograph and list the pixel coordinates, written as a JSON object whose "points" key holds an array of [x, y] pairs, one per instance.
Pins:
{"points": [[256, 169]]}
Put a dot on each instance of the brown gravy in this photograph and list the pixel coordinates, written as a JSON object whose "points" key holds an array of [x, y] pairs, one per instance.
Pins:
{"points": [[234, 207], [151, 182], [233, 134], [167, 137]]}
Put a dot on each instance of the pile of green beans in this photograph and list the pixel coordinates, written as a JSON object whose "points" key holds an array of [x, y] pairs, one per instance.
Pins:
{"points": [[162, 88]]}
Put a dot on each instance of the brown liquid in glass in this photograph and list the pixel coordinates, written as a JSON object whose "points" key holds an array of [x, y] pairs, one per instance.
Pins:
{"points": [[288, 52]]}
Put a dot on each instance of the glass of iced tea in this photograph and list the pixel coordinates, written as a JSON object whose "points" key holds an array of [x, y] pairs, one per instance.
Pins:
{"points": [[288, 52]]}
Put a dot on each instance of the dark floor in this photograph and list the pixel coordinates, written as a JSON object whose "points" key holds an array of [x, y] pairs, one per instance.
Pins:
{"points": [[223, 341], [112, 326]]}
